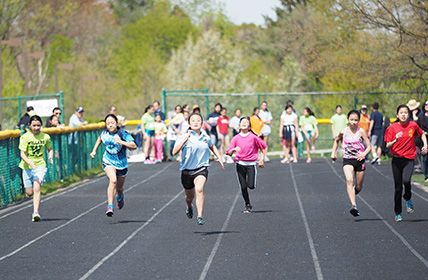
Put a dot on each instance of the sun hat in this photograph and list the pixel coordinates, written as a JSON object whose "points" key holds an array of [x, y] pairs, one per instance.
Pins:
{"points": [[413, 104]]}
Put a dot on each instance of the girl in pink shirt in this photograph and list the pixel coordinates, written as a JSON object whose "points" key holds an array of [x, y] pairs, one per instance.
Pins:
{"points": [[247, 145]]}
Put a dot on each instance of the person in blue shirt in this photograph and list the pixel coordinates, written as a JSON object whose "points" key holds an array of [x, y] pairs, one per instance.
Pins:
{"points": [[376, 133], [195, 147], [212, 121], [115, 163]]}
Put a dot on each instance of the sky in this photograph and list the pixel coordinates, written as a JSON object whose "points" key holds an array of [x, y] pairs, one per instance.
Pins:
{"points": [[249, 11]]}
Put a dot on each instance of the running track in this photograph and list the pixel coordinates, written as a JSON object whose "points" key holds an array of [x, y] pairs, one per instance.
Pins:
{"points": [[300, 229]]}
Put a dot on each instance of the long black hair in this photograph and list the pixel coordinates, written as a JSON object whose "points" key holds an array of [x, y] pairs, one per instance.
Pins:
{"points": [[309, 111]]}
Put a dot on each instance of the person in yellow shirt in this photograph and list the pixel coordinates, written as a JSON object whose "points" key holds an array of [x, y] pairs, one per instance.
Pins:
{"points": [[256, 123]]}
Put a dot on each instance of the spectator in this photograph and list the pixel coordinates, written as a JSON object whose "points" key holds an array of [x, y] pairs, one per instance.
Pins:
{"points": [[160, 134], [76, 119], [23, 122], [234, 122], [364, 119], [423, 123], [212, 121], [256, 123], [157, 107], [338, 122], [266, 117], [375, 133], [56, 113], [414, 109]]}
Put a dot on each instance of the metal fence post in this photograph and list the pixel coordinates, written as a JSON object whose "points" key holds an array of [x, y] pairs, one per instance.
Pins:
{"points": [[163, 98], [61, 104]]}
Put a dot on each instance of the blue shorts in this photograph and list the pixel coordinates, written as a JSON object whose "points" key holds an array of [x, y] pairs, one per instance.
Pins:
{"points": [[150, 133], [309, 135], [29, 176], [119, 172]]}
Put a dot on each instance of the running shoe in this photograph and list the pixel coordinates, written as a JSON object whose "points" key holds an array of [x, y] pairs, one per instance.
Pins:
{"points": [[35, 217], [109, 211], [398, 218], [410, 207], [189, 212], [374, 160], [295, 160], [248, 209], [426, 180], [200, 221], [267, 159], [354, 211], [149, 161], [285, 160], [309, 160], [120, 198], [356, 191]]}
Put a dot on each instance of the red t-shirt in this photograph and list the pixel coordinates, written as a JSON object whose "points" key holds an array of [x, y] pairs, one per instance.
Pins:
{"points": [[223, 124], [405, 146]]}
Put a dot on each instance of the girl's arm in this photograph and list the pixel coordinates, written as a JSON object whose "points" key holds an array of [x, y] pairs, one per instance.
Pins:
{"points": [[94, 150], [130, 145], [398, 135], [50, 155], [27, 160], [335, 146], [281, 124], [178, 146], [296, 125], [424, 140], [363, 155], [316, 130], [262, 158], [213, 148], [232, 147]]}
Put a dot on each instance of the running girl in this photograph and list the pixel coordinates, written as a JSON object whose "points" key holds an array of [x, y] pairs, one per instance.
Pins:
{"points": [[195, 146], [115, 163], [288, 129], [308, 124], [356, 145], [32, 146], [246, 145], [400, 139]]}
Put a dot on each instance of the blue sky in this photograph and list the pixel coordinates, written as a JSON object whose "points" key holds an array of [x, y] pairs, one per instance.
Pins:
{"points": [[249, 11]]}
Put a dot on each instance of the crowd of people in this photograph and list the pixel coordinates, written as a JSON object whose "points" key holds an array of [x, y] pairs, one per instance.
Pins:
{"points": [[195, 141]]}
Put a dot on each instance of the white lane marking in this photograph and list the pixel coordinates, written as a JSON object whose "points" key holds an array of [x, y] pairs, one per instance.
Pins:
{"points": [[402, 239], [387, 177], [77, 217], [218, 241], [315, 259], [59, 192], [117, 249]]}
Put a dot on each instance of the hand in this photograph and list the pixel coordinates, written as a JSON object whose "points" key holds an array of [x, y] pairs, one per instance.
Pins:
{"points": [[92, 154], [32, 165], [361, 156], [237, 149], [117, 139], [333, 156], [220, 161], [424, 150], [50, 159], [398, 135], [261, 162]]}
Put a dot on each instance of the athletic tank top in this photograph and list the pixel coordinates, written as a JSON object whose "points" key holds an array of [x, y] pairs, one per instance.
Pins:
{"points": [[352, 143]]}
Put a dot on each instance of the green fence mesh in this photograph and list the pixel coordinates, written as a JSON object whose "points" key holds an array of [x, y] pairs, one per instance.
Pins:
{"points": [[71, 156]]}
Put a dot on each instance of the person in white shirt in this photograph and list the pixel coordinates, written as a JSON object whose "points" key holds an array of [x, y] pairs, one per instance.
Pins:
{"points": [[266, 117]]}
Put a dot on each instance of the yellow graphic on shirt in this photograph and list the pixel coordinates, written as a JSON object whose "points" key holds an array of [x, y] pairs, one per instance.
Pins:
{"points": [[411, 132]]}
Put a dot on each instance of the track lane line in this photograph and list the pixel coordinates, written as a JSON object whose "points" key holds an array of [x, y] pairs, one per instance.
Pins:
{"points": [[396, 233], [77, 217]]}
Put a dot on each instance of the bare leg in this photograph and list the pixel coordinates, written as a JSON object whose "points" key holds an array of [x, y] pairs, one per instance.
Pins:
{"points": [[294, 148], [190, 194], [111, 190], [120, 183], [199, 190], [349, 175], [360, 180], [36, 196]]}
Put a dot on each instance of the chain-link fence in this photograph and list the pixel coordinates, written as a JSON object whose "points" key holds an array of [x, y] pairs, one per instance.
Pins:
{"points": [[71, 156]]}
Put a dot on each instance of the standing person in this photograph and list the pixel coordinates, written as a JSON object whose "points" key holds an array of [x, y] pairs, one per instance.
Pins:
{"points": [[400, 139], [148, 130], [414, 109], [173, 127], [266, 116], [160, 134], [375, 133], [115, 163], [212, 121], [223, 133], [76, 120], [24, 120], [364, 119], [56, 114], [288, 128], [247, 145], [355, 145], [32, 146], [158, 111], [195, 146], [256, 123], [308, 124], [338, 122], [423, 123], [234, 122]]}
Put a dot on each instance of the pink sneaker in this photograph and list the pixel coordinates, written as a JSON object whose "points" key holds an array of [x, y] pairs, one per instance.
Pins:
{"points": [[309, 160]]}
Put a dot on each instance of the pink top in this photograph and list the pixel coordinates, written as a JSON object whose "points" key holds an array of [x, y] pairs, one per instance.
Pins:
{"points": [[250, 146]]}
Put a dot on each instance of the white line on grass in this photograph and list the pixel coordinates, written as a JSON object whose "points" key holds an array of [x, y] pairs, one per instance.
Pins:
{"points": [[117, 249], [308, 231], [402, 239], [415, 193], [77, 217], [219, 238]]}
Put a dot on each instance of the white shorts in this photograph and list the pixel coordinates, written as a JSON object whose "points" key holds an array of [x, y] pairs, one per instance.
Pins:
{"points": [[29, 176]]}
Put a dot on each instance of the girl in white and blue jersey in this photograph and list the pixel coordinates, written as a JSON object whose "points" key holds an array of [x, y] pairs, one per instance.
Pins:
{"points": [[115, 163], [195, 147]]}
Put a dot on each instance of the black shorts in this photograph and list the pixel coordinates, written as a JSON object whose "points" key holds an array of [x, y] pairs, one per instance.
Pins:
{"points": [[188, 176], [119, 172], [358, 165]]}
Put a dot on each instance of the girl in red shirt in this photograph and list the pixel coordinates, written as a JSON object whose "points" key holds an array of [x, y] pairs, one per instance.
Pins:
{"points": [[400, 139], [223, 132]]}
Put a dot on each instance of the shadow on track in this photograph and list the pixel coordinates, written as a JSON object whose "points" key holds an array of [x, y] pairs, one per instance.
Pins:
{"points": [[207, 233]]}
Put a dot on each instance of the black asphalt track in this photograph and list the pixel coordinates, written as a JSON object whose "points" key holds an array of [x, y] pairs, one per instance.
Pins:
{"points": [[300, 229]]}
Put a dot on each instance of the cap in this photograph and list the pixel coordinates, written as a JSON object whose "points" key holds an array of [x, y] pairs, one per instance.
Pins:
{"points": [[363, 106], [80, 110], [426, 102]]}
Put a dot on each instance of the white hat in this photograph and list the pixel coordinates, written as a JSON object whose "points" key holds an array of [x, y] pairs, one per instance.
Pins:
{"points": [[413, 104]]}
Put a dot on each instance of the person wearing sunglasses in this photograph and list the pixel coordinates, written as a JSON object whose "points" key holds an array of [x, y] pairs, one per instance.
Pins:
{"points": [[55, 119]]}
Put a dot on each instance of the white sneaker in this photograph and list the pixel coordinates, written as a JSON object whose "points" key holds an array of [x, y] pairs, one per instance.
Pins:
{"points": [[285, 160], [229, 159], [35, 217], [267, 159]]}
